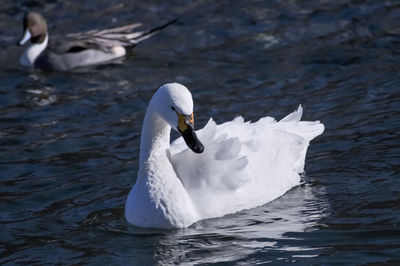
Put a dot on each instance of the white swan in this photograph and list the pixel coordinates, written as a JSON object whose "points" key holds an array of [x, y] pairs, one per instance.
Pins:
{"points": [[241, 165]]}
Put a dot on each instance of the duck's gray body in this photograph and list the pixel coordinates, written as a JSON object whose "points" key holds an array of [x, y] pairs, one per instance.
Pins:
{"points": [[79, 49], [49, 60]]}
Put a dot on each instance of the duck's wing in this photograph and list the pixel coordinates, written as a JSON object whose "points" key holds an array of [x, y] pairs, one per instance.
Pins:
{"points": [[128, 35]]}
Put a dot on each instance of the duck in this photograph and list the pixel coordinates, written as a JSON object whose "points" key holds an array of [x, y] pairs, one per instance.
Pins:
{"points": [[64, 53], [214, 171]]}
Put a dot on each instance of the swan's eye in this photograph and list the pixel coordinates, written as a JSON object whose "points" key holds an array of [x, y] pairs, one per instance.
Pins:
{"points": [[173, 108]]}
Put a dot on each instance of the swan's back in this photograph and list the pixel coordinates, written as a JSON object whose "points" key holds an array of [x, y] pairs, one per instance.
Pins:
{"points": [[244, 164]]}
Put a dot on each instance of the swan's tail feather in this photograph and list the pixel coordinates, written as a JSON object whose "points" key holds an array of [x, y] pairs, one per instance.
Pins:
{"points": [[307, 129], [293, 117], [310, 130]]}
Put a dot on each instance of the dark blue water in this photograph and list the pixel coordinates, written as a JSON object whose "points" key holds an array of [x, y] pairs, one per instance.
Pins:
{"points": [[69, 142]]}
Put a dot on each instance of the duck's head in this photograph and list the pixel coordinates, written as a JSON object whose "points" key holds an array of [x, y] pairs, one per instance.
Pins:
{"points": [[35, 28], [173, 103]]}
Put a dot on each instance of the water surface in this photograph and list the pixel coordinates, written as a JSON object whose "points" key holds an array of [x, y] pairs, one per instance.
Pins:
{"points": [[69, 142]]}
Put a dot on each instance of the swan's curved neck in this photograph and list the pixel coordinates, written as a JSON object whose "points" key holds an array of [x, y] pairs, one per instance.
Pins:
{"points": [[158, 198], [33, 51], [154, 140]]}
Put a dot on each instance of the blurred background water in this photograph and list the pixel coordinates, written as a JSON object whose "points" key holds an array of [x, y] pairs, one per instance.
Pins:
{"points": [[69, 142]]}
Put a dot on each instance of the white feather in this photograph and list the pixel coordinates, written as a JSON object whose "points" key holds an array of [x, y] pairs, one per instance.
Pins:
{"points": [[243, 165]]}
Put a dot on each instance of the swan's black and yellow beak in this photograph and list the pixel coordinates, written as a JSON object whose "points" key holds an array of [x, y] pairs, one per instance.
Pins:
{"points": [[186, 128]]}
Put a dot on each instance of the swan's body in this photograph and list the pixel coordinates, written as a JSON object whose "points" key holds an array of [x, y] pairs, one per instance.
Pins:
{"points": [[243, 165]]}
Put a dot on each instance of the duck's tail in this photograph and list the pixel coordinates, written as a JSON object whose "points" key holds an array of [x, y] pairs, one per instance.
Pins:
{"points": [[138, 37], [119, 36]]}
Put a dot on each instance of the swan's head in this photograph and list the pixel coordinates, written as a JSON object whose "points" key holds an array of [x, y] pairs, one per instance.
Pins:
{"points": [[173, 102]]}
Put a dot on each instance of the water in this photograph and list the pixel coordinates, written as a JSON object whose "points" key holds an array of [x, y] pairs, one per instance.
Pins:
{"points": [[69, 141]]}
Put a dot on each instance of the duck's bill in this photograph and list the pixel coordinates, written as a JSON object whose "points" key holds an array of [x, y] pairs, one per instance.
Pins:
{"points": [[185, 127], [26, 36]]}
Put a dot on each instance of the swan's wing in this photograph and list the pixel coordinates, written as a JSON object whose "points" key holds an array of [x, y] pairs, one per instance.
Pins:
{"points": [[244, 164], [219, 168], [224, 164]]}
